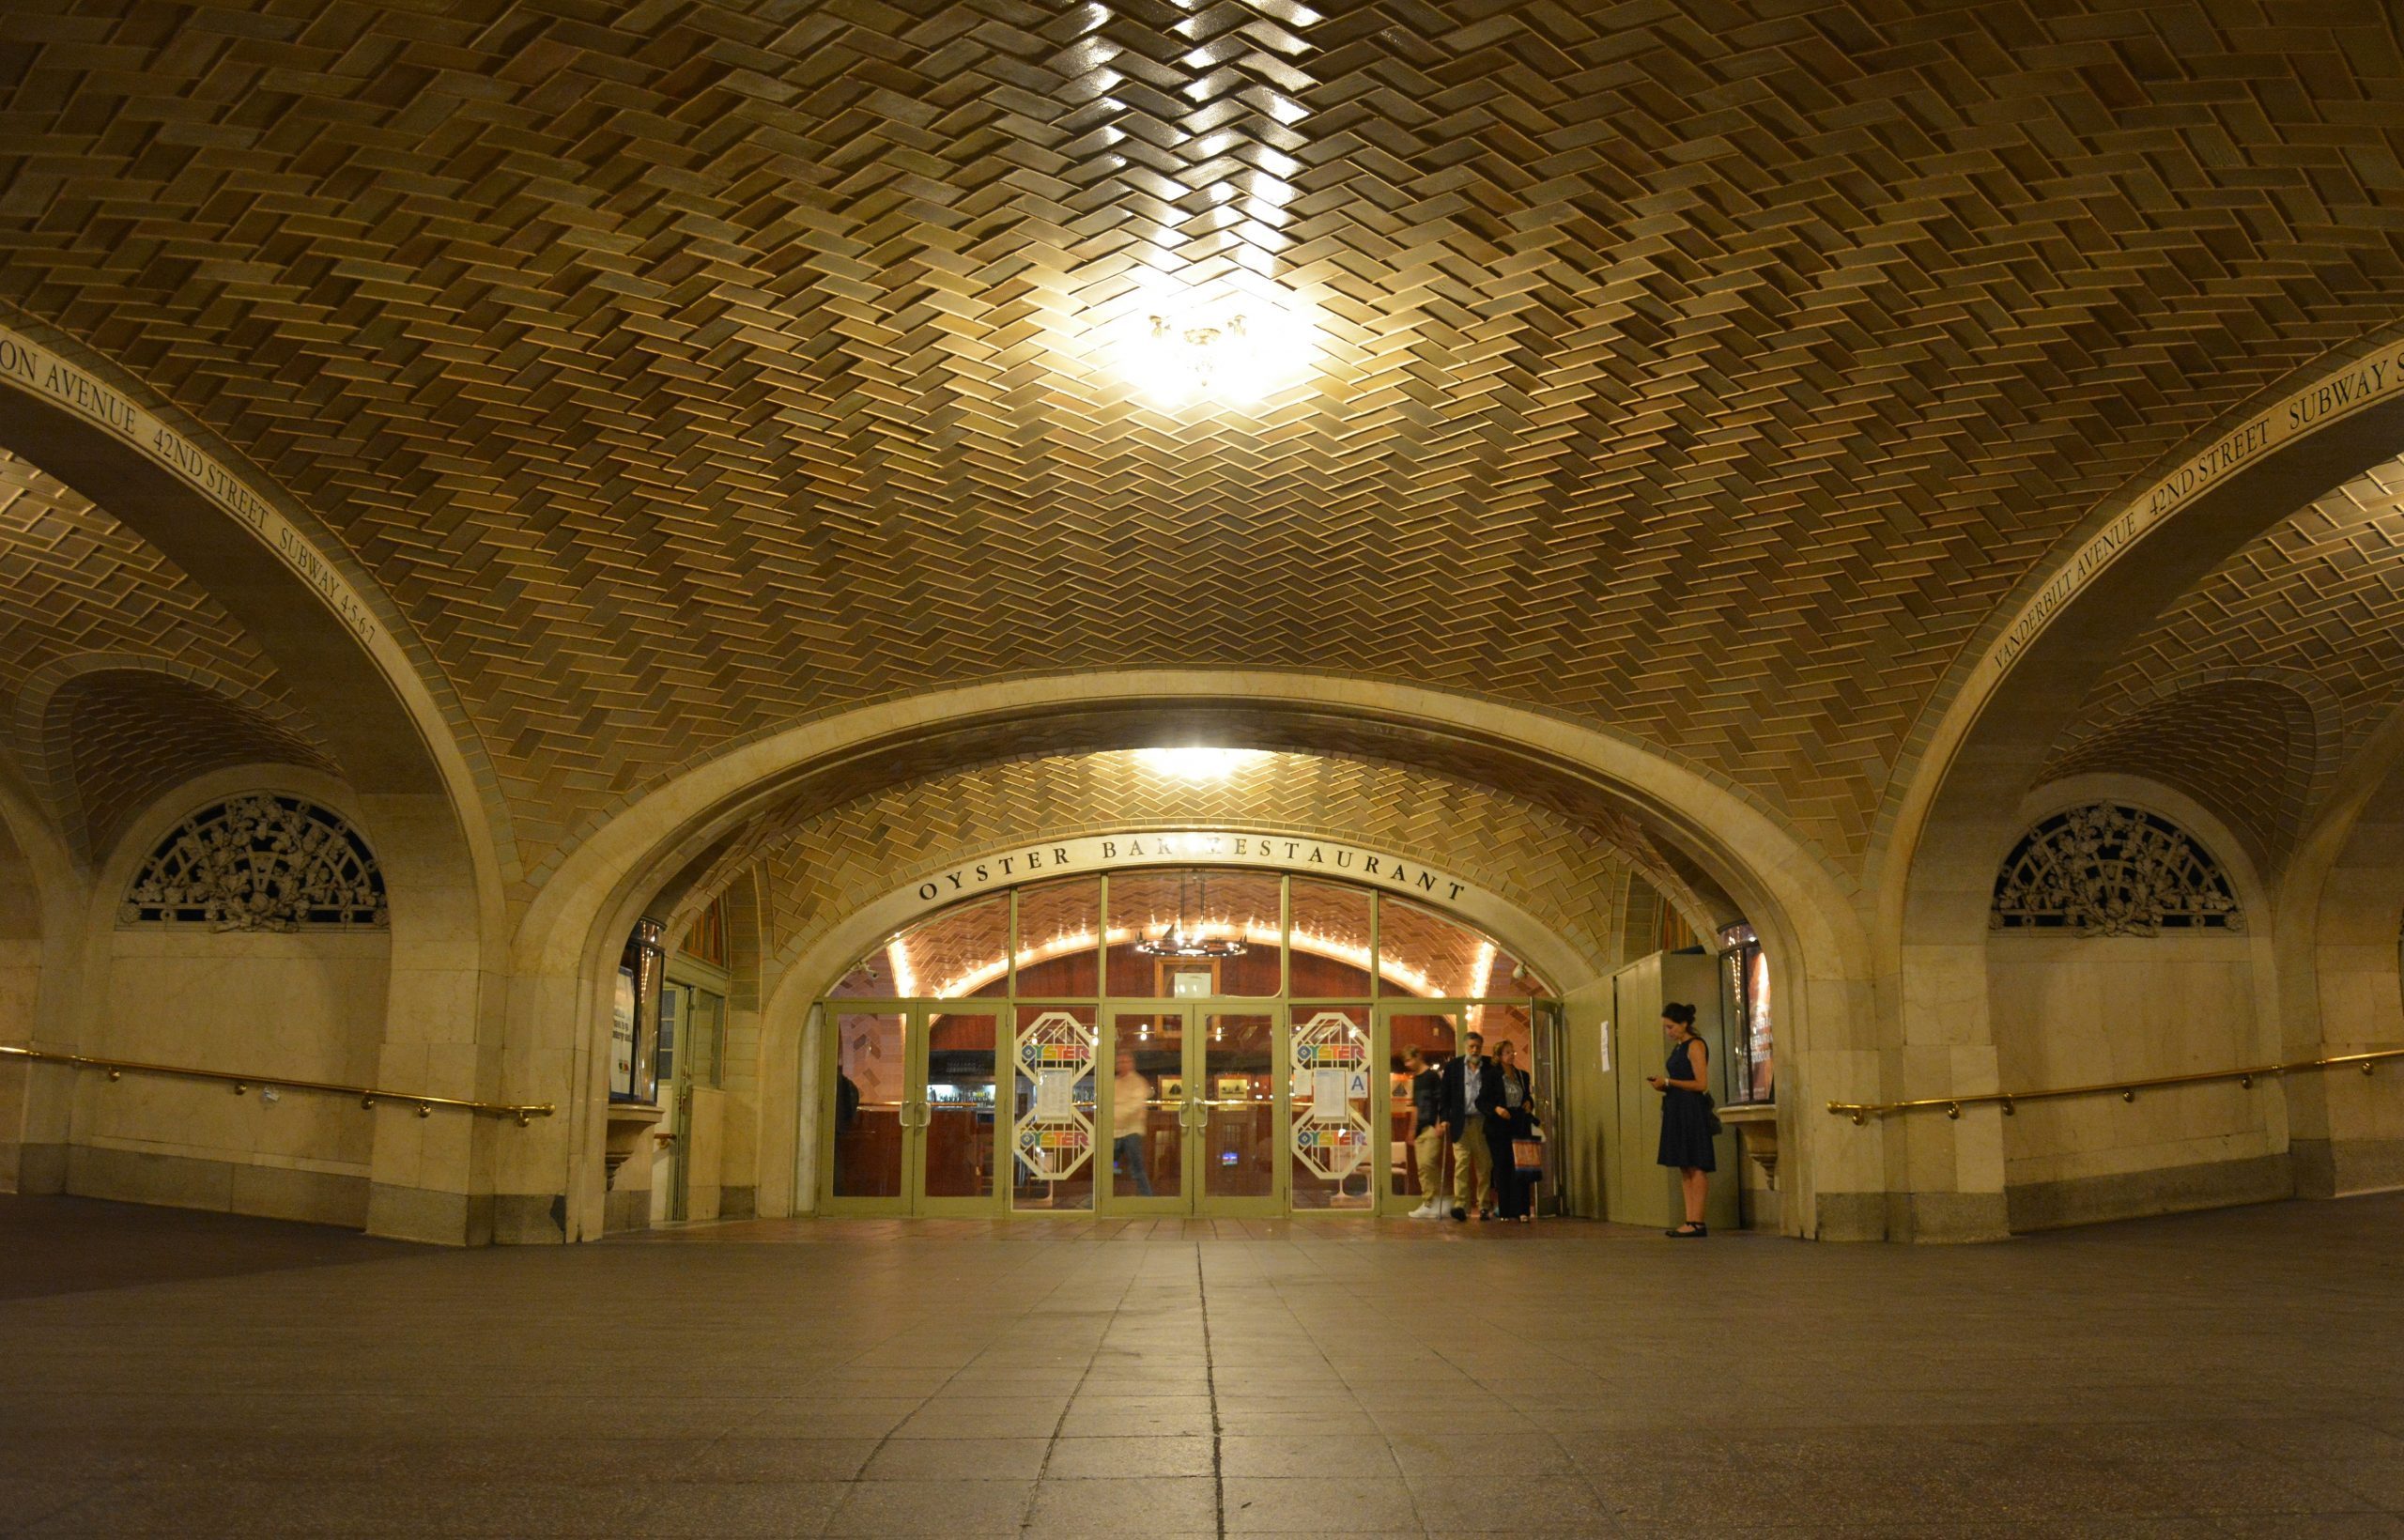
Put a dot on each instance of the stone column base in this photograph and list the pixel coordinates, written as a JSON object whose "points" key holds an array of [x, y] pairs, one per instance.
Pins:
{"points": [[2138, 1194], [426, 1214], [2331, 1168]]}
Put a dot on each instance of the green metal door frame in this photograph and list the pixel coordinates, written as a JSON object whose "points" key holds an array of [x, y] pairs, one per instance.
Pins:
{"points": [[912, 1200]]}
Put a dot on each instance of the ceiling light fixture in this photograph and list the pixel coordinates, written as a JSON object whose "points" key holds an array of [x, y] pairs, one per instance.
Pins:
{"points": [[1228, 348], [1198, 763], [1199, 939]]}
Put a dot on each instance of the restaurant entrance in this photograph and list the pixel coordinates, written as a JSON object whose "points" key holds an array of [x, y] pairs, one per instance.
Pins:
{"points": [[1237, 1052]]}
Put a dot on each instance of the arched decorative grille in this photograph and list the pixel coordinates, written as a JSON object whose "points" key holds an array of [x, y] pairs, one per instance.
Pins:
{"points": [[2110, 870], [259, 862]]}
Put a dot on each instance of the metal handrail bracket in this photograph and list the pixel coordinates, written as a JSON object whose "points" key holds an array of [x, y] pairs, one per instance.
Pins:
{"points": [[1861, 1112], [521, 1112]]}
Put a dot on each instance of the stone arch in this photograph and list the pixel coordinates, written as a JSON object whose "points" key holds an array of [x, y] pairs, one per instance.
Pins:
{"points": [[2341, 973], [398, 734], [2256, 746], [1801, 906], [2004, 709], [74, 710], [311, 1006]]}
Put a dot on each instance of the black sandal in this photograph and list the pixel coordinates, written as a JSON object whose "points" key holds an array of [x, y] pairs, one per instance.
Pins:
{"points": [[1690, 1231]]}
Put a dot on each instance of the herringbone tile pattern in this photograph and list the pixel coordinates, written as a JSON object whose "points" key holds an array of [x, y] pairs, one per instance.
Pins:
{"points": [[120, 675], [2242, 747], [822, 867], [2313, 600], [1708, 370]]}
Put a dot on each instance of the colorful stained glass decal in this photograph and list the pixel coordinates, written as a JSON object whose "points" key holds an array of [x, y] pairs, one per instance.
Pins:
{"points": [[1331, 1131], [1055, 1053]]}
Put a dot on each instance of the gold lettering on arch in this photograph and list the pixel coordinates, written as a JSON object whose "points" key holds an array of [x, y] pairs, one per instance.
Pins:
{"points": [[38, 371], [2315, 407]]}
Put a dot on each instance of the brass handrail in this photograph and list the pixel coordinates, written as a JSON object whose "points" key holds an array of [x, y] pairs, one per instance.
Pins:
{"points": [[523, 1112], [1861, 1112]]}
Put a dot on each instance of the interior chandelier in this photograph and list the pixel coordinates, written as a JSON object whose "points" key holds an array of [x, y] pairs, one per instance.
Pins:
{"points": [[1207, 355], [1175, 940]]}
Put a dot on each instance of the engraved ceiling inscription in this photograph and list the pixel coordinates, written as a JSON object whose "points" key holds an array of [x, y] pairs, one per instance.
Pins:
{"points": [[119, 676], [819, 867], [2313, 602]]}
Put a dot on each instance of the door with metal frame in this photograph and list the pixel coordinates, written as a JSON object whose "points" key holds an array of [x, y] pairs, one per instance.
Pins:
{"points": [[912, 1124], [1435, 1029], [1196, 1110], [1332, 1098]]}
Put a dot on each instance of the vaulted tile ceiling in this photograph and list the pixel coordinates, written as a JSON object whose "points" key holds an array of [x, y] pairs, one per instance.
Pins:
{"points": [[1707, 371]]}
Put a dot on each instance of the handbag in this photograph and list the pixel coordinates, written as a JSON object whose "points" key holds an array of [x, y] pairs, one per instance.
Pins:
{"points": [[1527, 1154], [1711, 1115]]}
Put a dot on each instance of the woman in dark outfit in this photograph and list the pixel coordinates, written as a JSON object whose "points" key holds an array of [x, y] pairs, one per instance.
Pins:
{"points": [[1514, 1117], [1686, 1113]]}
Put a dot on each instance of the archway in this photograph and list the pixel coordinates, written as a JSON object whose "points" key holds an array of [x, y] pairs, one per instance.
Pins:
{"points": [[1254, 991], [2007, 705], [388, 720], [566, 949]]}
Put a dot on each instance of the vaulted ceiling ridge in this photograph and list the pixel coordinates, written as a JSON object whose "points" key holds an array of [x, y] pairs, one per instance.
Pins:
{"points": [[1295, 725], [1972, 670], [820, 867], [1716, 382]]}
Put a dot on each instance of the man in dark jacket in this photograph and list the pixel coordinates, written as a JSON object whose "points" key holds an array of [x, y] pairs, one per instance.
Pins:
{"points": [[1472, 1090]]}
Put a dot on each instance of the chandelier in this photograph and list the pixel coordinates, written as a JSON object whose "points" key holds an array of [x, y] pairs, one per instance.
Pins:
{"points": [[1176, 939], [1209, 354]]}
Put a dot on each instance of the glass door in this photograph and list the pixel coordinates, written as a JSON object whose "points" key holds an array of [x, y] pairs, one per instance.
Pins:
{"points": [[959, 1145], [1239, 1145], [1192, 1103], [1150, 1117], [1419, 1158], [910, 1125], [1054, 1055], [1328, 1101]]}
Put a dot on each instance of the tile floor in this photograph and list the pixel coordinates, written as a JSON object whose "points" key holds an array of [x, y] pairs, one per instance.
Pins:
{"points": [[2239, 1373]]}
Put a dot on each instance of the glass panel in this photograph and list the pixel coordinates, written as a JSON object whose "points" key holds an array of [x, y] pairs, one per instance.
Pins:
{"points": [[1059, 939], [1328, 1105], [1331, 960], [870, 1080], [1239, 1133], [1744, 1000], [1051, 1057], [959, 1106], [705, 1037], [957, 954], [1224, 909], [1420, 1167], [1501, 1021], [1421, 952], [663, 1047], [1146, 1106]]}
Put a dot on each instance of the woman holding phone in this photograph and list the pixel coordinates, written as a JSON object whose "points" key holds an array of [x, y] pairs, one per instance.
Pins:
{"points": [[1686, 1114]]}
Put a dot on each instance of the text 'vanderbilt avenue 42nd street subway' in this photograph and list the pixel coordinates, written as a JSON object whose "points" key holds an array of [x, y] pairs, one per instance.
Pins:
{"points": [[1565, 645]]}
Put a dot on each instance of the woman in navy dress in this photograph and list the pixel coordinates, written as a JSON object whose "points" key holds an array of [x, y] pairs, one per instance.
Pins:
{"points": [[1686, 1113]]}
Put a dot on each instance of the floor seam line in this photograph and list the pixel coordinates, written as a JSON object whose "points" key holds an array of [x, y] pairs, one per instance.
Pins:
{"points": [[1210, 1383]]}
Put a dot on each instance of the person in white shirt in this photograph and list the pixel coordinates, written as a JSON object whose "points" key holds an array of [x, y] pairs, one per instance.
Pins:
{"points": [[1131, 1110]]}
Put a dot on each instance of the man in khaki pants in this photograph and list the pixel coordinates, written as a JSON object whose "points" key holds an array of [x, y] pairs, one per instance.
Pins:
{"points": [[1471, 1089]]}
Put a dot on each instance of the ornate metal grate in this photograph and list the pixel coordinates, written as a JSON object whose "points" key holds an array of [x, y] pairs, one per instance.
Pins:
{"points": [[2111, 869], [259, 862]]}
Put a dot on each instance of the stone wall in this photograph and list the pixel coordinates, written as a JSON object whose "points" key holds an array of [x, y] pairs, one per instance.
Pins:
{"points": [[307, 1006]]}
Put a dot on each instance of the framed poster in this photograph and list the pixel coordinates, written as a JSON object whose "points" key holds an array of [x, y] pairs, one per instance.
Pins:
{"points": [[622, 1036]]}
